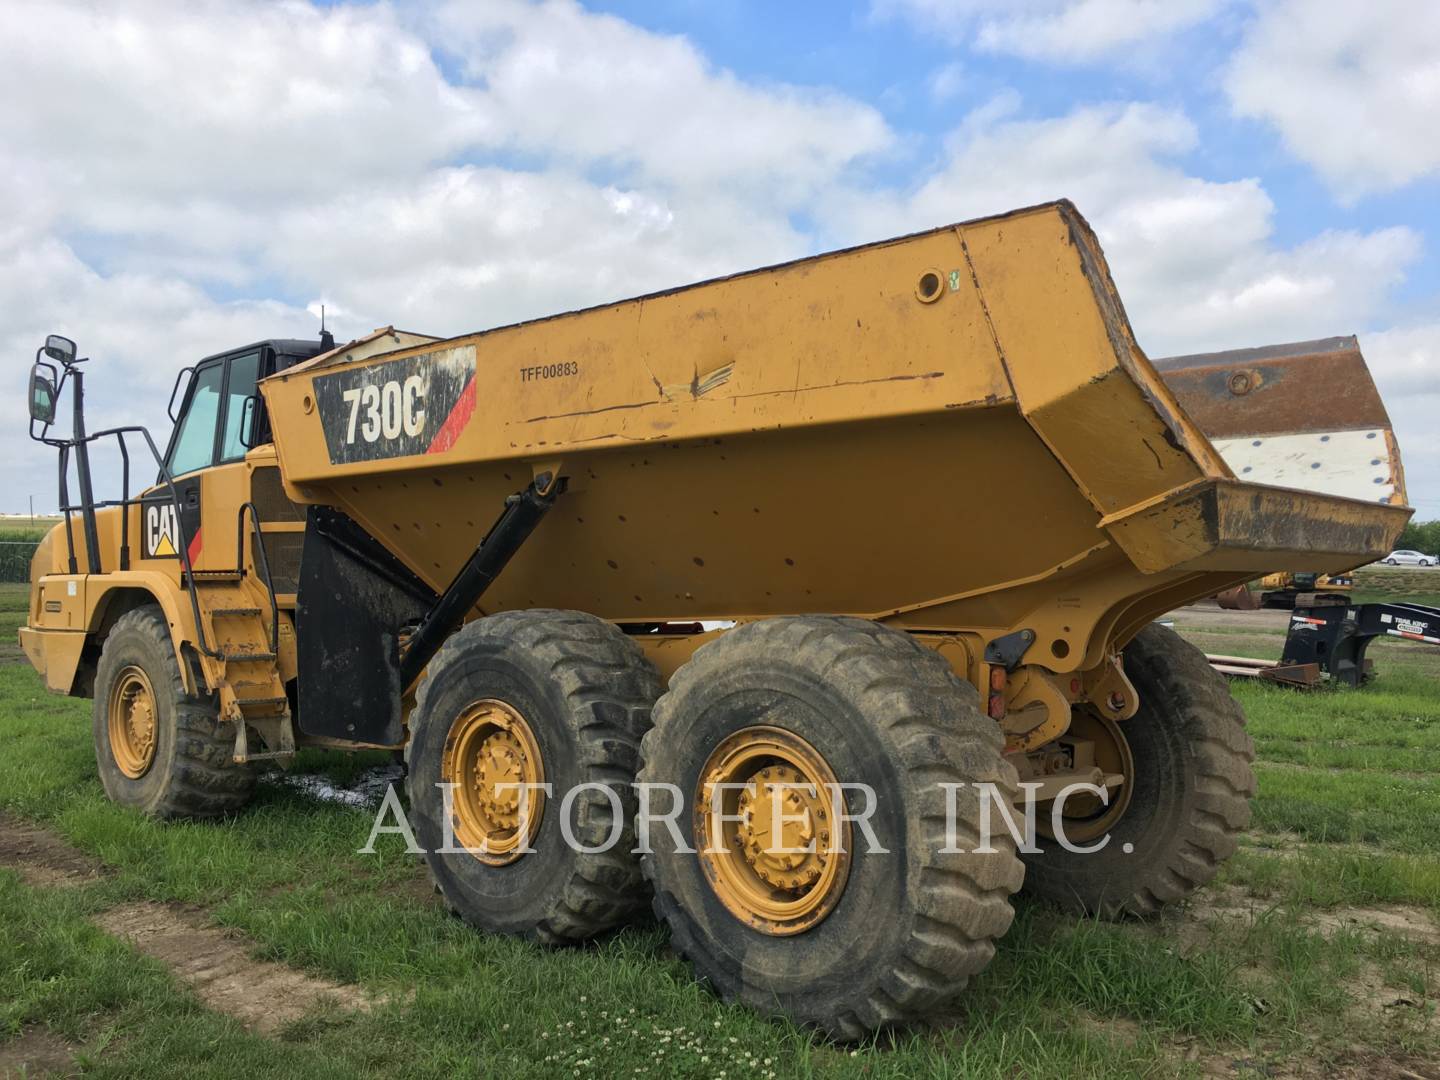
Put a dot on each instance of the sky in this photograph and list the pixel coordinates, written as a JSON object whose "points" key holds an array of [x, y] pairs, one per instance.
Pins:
{"points": [[181, 178]]}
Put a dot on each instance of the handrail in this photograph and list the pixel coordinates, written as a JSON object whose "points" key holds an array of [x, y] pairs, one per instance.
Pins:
{"points": [[182, 547], [262, 561], [64, 507]]}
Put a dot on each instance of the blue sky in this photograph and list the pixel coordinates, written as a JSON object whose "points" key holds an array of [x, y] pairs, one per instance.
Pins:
{"points": [[197, 175]]}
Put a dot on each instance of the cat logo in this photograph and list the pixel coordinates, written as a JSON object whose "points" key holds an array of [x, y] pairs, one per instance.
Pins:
{"points": [[162, 531]]}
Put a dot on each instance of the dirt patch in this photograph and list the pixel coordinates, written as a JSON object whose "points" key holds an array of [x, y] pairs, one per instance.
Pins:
{"points": [[1409, 922], [1356, 1067], [1381, 1068], [1231, 902], [423, 891], [1120, 1029], [261, 995], [42, 858], [1209, 617], [36, 1053], [1379, 1003]]}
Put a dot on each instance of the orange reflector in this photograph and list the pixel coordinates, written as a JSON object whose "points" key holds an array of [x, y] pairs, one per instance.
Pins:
{"points": [[995, 707]]}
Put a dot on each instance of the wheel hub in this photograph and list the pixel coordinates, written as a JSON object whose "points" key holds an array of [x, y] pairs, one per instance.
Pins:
{"points": [[132, 723], [766, 833], [499, 765], [490, 753], [1086, 818], [784, 859]]}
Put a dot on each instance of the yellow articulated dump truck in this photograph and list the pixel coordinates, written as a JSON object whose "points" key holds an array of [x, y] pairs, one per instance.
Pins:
{"points": [[753, 599]]}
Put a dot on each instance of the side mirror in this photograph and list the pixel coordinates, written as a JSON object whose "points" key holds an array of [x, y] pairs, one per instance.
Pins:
{"points": [[60, 349], [42, 396], [248, 413]]}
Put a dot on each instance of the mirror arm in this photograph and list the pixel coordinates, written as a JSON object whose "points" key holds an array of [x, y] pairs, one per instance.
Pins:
{"points": [[82, 472]]}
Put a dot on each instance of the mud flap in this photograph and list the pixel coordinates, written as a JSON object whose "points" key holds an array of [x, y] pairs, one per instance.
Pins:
{"points": [[354, 598]]}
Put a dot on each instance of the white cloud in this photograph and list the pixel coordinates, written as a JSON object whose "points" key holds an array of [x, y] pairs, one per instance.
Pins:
{"points": [[470, 247], [1353, 88], [1406, 364], [594, 88], [1068, 31], [165, 101], [139, 330]]}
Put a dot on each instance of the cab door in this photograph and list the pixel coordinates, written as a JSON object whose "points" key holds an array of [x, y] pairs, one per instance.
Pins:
{"points": [[207, 460]]}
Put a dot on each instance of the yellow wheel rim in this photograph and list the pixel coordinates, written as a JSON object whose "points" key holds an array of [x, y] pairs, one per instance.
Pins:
{"points": [[489, 752], [132, 722], [1085, 817], [770, 842]]}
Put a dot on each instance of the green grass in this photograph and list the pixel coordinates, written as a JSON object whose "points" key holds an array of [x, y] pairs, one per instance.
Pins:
{"points": [[1414, 584], [1398, 813], [1325, 877], [1347, 814], [24, 528]]}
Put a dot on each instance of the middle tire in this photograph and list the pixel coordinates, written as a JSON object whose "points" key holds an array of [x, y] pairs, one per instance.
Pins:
{"points": [[801, 699], [556, 697]]}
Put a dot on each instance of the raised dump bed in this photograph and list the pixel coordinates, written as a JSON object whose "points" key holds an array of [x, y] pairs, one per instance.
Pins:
{"points": [[951, 431]]}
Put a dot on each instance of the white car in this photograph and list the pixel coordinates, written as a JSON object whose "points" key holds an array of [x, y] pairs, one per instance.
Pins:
{"points": [[1408, 558]]}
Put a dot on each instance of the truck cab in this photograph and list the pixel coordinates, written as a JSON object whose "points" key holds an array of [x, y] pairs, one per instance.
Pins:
{"points": [[211, 550], [220, 458]]}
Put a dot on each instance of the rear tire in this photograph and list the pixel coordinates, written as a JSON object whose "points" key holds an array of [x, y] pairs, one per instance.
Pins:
{"points": [[912, 925], [1191, 791], [185, 767], [584, 692]]}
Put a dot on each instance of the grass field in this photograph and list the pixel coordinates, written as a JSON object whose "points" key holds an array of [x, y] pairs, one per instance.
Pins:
{"points": [[26, 528], [1315, 953], [1413, 584]]}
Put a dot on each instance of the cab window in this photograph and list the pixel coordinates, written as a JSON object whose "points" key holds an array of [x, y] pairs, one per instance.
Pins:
{"points": [[212, 425], [194, 445]]}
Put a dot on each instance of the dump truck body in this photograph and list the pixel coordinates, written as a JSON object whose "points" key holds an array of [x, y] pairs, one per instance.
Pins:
{"points": [[953, 431]]}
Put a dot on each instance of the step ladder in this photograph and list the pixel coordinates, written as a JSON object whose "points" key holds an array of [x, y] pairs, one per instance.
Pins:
{"points": [[242, 639], [252, 696]]}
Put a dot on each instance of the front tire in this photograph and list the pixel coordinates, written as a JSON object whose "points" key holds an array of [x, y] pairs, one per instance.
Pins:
{"points": [[559, 696], [897, 934], [158, 749], [1191, 787]]}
